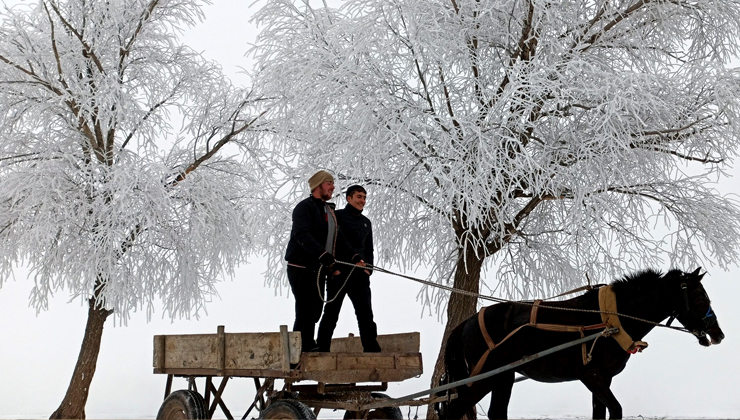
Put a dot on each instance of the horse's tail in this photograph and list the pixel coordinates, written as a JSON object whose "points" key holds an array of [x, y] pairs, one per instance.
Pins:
{"points": [[456, 367]]}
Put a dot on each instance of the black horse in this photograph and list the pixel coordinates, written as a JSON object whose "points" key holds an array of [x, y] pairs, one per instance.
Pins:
{"points": [[648, 295]]}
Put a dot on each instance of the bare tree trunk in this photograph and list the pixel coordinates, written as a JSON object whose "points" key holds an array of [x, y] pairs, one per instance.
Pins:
{"points": [[73, 404], [459, 308]]}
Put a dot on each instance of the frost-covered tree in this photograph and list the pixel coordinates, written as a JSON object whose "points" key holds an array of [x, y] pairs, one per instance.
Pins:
{"points": [[129, 164], [544, 140]]}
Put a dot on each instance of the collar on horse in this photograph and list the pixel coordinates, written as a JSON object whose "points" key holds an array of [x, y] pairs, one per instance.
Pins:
{"points": [[609, 318], [608, 308]]}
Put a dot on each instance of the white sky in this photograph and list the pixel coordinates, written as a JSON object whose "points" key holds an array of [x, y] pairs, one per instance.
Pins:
{"points": [[674, 377]]}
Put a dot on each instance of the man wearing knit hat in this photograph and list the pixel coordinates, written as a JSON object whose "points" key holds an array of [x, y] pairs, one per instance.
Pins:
{"points": [[314, 238]]}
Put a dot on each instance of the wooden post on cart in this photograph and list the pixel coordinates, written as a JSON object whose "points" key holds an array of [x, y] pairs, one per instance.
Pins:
{"points": [[286, 348]]}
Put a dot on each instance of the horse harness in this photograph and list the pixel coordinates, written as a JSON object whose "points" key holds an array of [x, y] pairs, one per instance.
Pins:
{"points": [[609, 318]]}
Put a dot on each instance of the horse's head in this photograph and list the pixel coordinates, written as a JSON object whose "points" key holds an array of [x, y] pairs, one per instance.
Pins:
{"points": [[694, 310]]}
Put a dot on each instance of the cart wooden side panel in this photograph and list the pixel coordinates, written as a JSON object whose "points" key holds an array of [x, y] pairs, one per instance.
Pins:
{"points": [[221, 353], [270, 355], [389, 343], [346, 363], [340, 368]]}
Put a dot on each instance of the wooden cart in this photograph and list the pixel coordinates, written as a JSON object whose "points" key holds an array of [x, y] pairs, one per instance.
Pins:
{"points": [[345, 378]]}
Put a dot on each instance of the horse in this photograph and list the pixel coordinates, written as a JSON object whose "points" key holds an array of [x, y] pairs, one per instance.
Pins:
{"points": [[643, 300]]}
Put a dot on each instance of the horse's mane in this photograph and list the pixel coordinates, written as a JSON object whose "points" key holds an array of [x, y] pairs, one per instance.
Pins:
{"points": [[640, 281]]}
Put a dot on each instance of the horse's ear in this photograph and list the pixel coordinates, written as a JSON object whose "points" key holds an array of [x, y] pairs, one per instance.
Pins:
{"points": [[697, 274]]}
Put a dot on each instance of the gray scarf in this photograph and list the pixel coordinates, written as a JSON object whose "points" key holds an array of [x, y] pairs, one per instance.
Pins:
{"points": [[331, 232]]}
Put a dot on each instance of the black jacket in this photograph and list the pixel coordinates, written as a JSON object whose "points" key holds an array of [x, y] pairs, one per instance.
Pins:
{"points": [[308, 234], [359, 233]]}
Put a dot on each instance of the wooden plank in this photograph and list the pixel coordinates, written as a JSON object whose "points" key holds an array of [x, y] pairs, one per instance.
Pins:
{"points": [[217, 401], [360, 362], [337, 389], [294, 341], [196, 351], [285, 339], [412, 362], [261, 350], [360, 375], [318, 362], [208, 391], [336, 368], [168, 386], [409, 403], [159, 349], [221, 351], [221, 348], [333, 405], [323, 367], [389, 343], [237, 373], [254, 351]]}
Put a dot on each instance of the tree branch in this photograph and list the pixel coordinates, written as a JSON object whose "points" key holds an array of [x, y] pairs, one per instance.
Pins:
{"points": [[87, 49], [209, 154], [620, 16], [55, 50], [126, 50]]}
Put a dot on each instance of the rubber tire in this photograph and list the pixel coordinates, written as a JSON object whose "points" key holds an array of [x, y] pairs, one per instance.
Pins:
{"points": [[181, 405], [287, 409], [393, 413]]}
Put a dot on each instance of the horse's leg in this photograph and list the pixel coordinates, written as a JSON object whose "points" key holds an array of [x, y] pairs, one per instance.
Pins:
{"points": [[602, 397], [599, 409], [464, 403], [463, 406], [500, 395]]}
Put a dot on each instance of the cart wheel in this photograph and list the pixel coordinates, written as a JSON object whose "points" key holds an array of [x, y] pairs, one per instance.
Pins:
{"points": [[393, 413], [287, 409], [181, 405]]}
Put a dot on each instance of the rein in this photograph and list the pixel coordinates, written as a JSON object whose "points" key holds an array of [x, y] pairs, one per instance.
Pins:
{"points": [[519, 302], [318, 283]]}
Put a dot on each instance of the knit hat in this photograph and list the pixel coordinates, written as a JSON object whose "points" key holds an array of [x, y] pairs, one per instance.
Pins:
{"points": [[319, 178]]}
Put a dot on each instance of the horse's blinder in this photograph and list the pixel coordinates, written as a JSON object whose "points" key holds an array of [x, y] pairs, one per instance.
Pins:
{"points": [[697, 324]]}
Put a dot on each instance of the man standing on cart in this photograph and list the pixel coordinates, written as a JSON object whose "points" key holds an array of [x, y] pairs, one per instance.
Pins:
{"points": [[314, 238], [359, 233]]}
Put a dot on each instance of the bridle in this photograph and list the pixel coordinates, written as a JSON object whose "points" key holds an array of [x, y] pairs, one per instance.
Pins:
{"points": [[697, 324]]}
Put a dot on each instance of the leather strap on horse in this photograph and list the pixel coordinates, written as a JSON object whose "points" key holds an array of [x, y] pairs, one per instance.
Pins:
{"points": [[491, 345], [554, 327], [608, 307], [532, 323]]}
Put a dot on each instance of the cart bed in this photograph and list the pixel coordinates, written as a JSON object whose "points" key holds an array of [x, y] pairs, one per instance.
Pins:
{"points": [[273, 355]]}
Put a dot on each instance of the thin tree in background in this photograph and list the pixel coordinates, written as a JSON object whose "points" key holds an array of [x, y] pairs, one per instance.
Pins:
{"points": [[545, 141], [102, 193]]}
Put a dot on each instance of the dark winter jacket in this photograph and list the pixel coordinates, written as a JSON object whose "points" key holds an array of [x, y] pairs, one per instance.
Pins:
{"points": [[308, 234], [359, 233]]}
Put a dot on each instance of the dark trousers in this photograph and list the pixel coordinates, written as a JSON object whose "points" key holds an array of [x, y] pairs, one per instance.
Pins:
{"points": [[308, 303], [358, 290]]}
